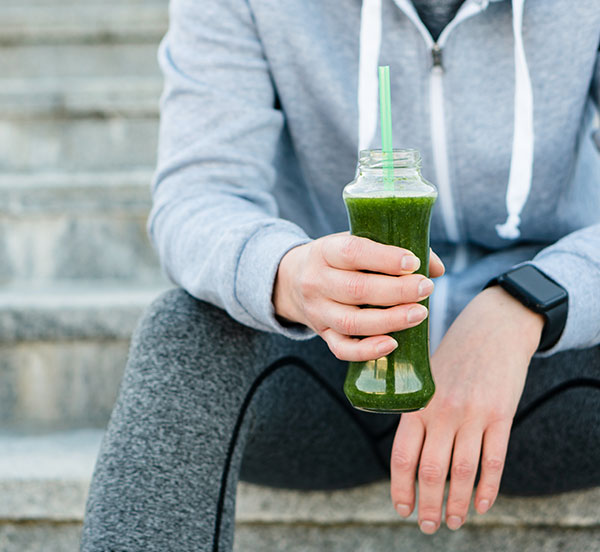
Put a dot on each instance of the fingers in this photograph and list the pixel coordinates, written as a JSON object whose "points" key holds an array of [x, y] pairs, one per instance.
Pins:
{"points": [[465, 459], [495, 444], [360, 288], [354, 321], [349, 252], [403, 463], [433, 468], [358, 350], [354, 253], [436, 266], [433, 460], [343, 321]]}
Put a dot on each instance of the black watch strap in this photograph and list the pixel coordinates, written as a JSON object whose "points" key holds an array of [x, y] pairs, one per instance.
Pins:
{"points": [[554, 326], [541, 294]]}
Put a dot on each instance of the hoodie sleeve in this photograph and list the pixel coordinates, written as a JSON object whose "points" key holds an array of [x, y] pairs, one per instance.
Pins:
{"points": [[214, 220], [574, 261]]}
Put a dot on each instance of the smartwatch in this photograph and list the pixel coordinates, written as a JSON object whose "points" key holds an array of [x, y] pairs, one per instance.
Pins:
{"points": [[541, 294]]}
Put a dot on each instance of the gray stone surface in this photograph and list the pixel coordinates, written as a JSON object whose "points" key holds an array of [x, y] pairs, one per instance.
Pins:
{"points": [[90, 226], [59, 193], [404, 538], [59, 385], [44, 479], [95, 61], [371, 504], [79, 97], [72, 311], [40, 537], [44, 249], [98, 143], [82, 21], [58, 464]]}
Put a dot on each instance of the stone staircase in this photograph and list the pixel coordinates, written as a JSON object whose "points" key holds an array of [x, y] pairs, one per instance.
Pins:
{"points": [[79, 89], [79, 86], [44, 482]]}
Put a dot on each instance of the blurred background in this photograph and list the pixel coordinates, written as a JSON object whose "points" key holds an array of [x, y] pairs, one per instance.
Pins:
{"points": [[79, 89]]}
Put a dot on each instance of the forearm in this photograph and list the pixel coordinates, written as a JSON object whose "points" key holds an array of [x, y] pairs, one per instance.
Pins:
{"points": [[529, 324]]}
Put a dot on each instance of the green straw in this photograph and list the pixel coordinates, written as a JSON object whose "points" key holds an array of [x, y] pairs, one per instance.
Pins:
{"points": [[385, 105]]}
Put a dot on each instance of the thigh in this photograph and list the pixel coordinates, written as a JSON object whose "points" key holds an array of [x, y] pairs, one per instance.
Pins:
{"points": [[555, 440], [276, 403], [201, 395]]}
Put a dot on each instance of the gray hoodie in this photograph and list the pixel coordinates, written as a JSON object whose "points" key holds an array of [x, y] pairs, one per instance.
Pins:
{"points": [[267, 103]]}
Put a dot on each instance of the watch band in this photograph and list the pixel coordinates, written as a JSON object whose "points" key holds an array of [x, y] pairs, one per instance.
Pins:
{"points": [[554, 326], [555, 316]]}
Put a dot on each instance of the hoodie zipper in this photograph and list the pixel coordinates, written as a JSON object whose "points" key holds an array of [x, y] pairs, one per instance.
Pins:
{"points": [[438, 302], [440, 144], [438, 117]]}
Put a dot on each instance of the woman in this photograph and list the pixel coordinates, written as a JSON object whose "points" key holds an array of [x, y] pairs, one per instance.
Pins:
{"points": [[265, 107]]}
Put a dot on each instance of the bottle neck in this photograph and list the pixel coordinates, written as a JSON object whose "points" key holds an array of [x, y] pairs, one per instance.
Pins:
{"points": [[402, 163]]}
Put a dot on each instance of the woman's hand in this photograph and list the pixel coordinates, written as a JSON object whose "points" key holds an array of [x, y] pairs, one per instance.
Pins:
{"points": [[322, 283], [479, 370]]}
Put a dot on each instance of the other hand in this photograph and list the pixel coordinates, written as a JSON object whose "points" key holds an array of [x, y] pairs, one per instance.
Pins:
{"points": [[479, 370]]}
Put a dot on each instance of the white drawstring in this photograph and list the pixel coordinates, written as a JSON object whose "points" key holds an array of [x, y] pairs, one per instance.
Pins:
{"points": [[370, 45], [521, 167]]}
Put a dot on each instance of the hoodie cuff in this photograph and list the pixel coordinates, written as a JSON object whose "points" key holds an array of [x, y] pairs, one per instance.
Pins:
{"points": [[255, 276], [579, 276]]}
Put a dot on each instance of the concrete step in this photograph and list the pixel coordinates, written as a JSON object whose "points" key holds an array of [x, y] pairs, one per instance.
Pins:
{"points": [[92, 226], [70, 21], [102, 142], [59, 61], [78, 123], [79, 97], [44, 480], [43, 485], [63, 351]]}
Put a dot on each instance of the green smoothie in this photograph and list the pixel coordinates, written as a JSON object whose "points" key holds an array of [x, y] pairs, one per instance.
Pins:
{"points": [[401, 381]]}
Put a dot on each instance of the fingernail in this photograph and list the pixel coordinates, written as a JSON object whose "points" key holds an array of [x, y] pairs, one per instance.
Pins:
{"points": [[425, 288], [428, 527], [416, 314], [403, 510], [454, 522], [386, 346], [410, 262], [484, 506]]}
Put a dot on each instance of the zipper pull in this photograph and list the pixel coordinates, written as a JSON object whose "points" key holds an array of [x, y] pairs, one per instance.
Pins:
{"points": [[436, 56]]}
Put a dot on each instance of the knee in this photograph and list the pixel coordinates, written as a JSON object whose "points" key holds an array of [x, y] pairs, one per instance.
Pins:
{"points": [[176, 312], [178, 328]]}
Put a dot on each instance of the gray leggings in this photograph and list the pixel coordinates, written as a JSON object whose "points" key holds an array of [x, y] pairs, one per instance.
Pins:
{"points": [[205, 401]]}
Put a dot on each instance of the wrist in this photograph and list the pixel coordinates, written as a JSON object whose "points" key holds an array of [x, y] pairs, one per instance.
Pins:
{"points": [[527, 323], [541, 294], [284, 300]]}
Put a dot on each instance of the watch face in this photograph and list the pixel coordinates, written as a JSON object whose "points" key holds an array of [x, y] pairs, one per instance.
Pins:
{"points": [[539, 289]]}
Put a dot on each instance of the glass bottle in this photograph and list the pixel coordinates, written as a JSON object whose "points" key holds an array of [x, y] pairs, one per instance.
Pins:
{"points": [[392, 204]]}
